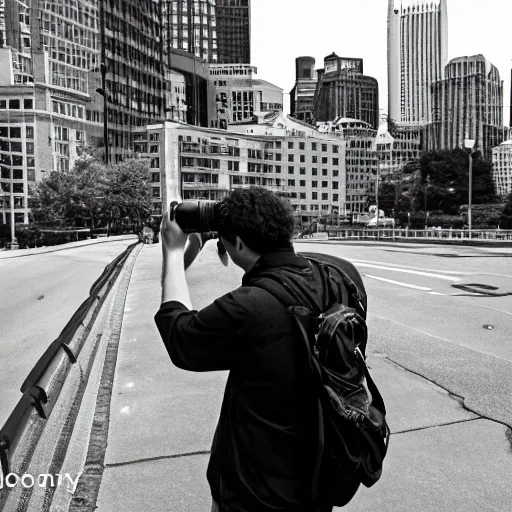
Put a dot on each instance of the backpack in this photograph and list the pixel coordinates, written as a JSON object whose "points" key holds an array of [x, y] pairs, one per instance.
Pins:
{"points": [[353, 434]]}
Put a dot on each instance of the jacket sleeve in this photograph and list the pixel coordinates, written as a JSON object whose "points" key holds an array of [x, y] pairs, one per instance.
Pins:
{"points": [[206, 340]]}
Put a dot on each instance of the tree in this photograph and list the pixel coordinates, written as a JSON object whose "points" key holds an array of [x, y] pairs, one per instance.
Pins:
{"points": [[506, 216], [444, 179], [129, 192]]}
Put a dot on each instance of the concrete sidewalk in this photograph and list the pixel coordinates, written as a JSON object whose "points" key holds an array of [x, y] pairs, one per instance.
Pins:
{"points": [[18, 253], [441, 457]]}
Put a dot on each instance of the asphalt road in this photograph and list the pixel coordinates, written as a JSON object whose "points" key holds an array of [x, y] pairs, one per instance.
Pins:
{"points": [[443, 312], [38, 296]]}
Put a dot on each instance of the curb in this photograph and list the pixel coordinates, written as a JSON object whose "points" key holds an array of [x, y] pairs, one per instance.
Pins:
{"points": [[20, 253], [425, 241]]}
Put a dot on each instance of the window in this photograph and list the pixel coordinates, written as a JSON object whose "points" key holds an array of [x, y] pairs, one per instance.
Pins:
{"points": [[314, 184], [302, 158], [17, 187], [325, 197], [335, 197], [153, 148], [278, 157], [335, 161], [302, 170], [302, 183], [15, 133], [324, 172], [17, 161], [290, 145], [14, 104], [291, 170], [31, 161], [155, 163], [314, 196], [30, 148], [16, 146], [278, 144], [3, 104], [278, 169], [31, 175], [290, 158], [154, 136], [314, 159], [302, 145], [302, 195], [156, 192], [335, 185], [17, 174], [324, 159], [291, 183], [28, 103], [30, 132], [314, 171], [79, 136], [335, 149], [313, 146], [324, 147], [335, 173], [325, 184]]}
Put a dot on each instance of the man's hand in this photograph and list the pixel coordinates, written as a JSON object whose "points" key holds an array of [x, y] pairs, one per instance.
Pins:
{"points": [[173, 237]]}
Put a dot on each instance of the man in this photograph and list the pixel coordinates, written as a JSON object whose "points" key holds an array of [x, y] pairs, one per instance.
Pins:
{"points": [[264, 447]]}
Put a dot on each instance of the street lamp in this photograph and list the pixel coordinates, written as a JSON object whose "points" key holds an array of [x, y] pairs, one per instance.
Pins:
{"points": [[470, 144]]}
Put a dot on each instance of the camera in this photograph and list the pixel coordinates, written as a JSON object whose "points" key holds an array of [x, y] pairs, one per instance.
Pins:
{"points": [[197, 217], [194, 216]]}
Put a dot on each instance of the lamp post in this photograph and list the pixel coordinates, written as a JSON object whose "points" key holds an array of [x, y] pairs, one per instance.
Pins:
{"points": [[427, 183], [377, 196], [470, 144]]}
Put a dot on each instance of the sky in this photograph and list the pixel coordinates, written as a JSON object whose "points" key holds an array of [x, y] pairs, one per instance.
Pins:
{"points": [[285, 29]]}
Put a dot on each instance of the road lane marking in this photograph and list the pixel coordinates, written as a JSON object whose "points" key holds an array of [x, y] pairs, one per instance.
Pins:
{"points": [[394, 265], [436, 293], [399, 283], [409, 271]]}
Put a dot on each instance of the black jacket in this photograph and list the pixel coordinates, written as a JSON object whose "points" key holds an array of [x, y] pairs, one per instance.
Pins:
{"points": [[263, 447]]}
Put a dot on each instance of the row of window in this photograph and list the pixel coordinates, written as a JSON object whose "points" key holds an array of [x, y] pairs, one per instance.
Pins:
{"points": [[17, 103], [16, 160], [17, 174]]}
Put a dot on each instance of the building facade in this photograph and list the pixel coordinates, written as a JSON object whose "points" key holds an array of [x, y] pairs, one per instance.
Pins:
{"points": [[344, 91], [199, 163], [396, 150], [64, 64], [233, 31], [417, 54], [360, 161], [468, 104], [502, 169], [302, 96], [240, 96]]}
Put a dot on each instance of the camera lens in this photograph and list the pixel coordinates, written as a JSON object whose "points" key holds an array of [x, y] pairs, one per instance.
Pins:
{"points": [[196, 216]]}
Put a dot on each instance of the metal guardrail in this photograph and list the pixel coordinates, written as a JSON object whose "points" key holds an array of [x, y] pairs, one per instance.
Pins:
{"points": [[42, 386], [453, 235]]}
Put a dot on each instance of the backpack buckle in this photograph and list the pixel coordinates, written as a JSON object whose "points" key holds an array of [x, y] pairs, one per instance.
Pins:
{"points": [[358, 352]]}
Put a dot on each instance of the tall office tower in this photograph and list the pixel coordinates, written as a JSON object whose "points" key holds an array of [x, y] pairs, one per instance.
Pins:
{"points": [[417, 54], [191, 27], [233, 31], [343, 91], [64, 64], [468, 104], [302, 95]]}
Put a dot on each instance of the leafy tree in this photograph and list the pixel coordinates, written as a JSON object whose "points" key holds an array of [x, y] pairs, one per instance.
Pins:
{"points": [[445, 180], [506, 216], [129, 192]]}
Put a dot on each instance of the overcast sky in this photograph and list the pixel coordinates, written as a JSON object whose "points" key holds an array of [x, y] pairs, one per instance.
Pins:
{"points": [[285, 29]]}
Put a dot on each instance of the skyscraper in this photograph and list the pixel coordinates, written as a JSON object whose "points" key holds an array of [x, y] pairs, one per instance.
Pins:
{"points": [[344, 91], [233, 31], [302, 96], [417, 54], [468, 104]]}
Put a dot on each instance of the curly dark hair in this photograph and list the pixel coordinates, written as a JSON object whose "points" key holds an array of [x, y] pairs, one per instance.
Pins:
{"points": [[258, 216]]}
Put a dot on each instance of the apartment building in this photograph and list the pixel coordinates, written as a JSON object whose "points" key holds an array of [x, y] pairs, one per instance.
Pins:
{"points": [[502, 169], [302, 96], [199, 163]]}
